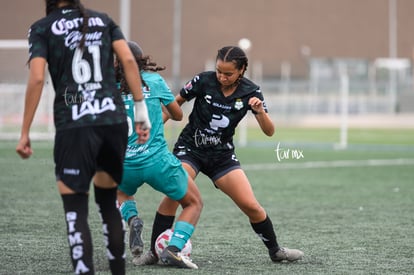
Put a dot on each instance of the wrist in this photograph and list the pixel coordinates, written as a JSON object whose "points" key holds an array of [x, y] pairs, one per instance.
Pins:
{"points": [[141, 114]]}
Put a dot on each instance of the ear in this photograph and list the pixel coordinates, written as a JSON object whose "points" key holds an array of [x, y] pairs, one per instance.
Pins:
{"points": [[242, 70]]}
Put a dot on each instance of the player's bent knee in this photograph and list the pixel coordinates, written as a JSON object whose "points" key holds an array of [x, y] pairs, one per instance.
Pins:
{"points": [[104, 180]]}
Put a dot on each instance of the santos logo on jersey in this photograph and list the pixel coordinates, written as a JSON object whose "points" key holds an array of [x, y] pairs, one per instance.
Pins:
{"points": [[239, 104]]}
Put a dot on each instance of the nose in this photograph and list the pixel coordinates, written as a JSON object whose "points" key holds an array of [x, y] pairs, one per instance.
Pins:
{"points": [[222, 77]]}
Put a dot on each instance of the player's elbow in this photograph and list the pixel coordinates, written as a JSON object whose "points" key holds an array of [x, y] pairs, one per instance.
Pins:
{"points": [[36, 81], [174, 111], [269, 130], [269, 133], [177, 116], [129, 63]]}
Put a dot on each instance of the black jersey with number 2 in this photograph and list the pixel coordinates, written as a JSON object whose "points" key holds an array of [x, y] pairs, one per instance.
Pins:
{"points": [[83, 79], [214, 117]]}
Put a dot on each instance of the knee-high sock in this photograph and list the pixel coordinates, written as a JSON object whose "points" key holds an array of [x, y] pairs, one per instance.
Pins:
{"points": [[266, 233], [182, 233], [113, 229], [128, 210], [79, 235], [161, 223]]}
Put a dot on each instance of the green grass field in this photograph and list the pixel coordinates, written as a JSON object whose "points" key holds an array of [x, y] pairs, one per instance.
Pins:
{"points": [[350, 211]]}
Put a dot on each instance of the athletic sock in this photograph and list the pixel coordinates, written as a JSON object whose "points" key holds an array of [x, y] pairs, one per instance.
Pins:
{"points": [[182, 233], [161, 223], [79, 235], [266, 233], [113, 229], [128, 210]]}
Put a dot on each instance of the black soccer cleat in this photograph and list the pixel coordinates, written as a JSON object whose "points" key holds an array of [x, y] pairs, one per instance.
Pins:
{"points": [[148, 258]]}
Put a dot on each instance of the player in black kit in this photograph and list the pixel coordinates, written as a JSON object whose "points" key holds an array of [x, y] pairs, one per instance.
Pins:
{"points": [[221, 99], [78, 45]]}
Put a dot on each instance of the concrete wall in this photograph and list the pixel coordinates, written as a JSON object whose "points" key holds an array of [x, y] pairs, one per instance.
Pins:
{"points": [[280, 30]]}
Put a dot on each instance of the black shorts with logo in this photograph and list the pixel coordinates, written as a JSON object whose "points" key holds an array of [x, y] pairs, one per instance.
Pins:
{"points": [[211, 163], [80, 152]]}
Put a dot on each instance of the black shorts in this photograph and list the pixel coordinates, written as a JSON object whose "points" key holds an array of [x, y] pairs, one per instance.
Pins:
{"points": [[211, 163], [80, 152]]}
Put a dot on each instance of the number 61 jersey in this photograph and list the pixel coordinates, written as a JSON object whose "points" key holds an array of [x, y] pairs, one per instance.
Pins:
{"points": [[214, 117], [83, 79]]}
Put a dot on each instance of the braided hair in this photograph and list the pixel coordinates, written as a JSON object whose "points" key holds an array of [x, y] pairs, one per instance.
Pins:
{"points": [[144, 64], [52, 5], [233, 54]]}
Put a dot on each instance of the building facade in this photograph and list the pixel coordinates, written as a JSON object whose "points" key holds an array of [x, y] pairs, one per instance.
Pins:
{"points": [[281, 31]]}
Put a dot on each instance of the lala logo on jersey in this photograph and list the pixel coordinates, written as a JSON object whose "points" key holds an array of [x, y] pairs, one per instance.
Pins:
{"points": [[239, 104], [93, 107]]}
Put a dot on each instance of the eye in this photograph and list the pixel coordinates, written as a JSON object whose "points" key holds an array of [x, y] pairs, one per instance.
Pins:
{"points": [[226, 74]]}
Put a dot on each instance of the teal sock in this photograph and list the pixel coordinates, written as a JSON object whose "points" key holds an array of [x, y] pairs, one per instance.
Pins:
{"points": [[128, 210], [182, 233]]}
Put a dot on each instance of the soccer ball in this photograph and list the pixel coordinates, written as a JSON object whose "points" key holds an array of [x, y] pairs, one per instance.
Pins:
{"points": [[164, 239]]}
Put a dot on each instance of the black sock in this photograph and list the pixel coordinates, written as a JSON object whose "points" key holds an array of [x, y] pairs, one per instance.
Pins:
{"points": [[266, 233], [161, 223], [173, 248], [113, 228], [79, 235]]}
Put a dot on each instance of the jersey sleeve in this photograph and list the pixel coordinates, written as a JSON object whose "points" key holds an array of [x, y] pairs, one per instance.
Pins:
{"points": [[259, 95], [37, 42], [166, 95], [116, 32], [191, 88]]}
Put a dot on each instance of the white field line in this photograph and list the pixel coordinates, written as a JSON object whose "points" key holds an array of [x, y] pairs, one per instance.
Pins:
{"points": [[281, 165], [327, 164]]}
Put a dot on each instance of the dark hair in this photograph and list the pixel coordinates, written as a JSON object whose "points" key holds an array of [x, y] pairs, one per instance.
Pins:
{"points": [[144, 64], [233, 54], [52, 5]]}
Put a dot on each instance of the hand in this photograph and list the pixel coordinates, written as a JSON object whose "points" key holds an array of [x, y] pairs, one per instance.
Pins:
{"points": [[23, 148], [143, 132], [256, 105]]}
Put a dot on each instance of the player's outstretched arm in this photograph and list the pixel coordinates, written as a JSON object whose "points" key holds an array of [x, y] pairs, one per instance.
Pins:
{"points": [[33, 93]]}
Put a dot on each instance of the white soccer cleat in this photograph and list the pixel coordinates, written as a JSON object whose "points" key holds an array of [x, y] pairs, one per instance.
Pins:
{"points": [[287, 254], [177, 259]]}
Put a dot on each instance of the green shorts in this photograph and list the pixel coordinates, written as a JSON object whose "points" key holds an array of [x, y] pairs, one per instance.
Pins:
{"points": [[165, 175]]}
